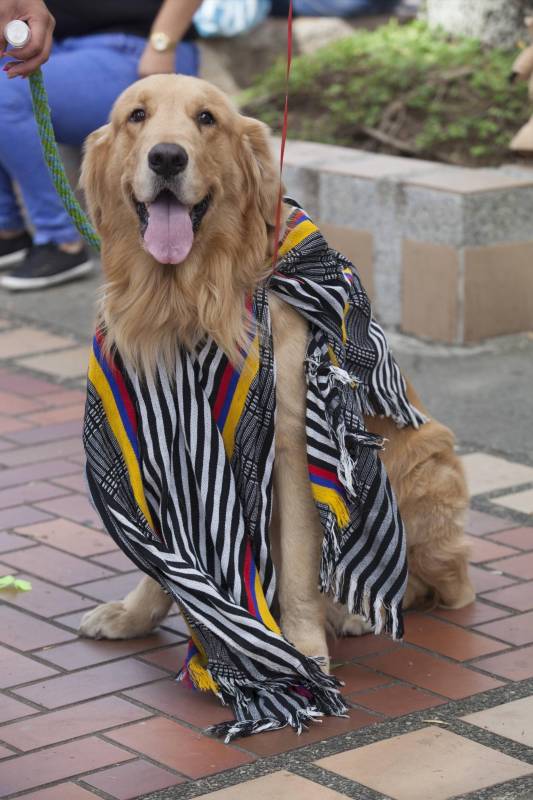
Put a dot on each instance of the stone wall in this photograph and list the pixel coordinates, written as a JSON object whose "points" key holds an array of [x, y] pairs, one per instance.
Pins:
{"points": [[446, 252]]}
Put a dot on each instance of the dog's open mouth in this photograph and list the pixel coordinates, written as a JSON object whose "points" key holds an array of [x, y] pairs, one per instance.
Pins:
{"points": [[168, 226]]}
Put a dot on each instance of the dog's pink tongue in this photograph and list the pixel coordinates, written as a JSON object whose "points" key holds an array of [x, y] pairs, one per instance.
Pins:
{"points": [[169, 235]]}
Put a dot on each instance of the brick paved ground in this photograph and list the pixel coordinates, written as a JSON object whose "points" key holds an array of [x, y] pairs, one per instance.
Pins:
{"points": [[444, 714]]}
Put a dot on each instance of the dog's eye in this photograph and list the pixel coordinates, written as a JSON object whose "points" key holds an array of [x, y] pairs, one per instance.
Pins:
{"points": [[137, 115], [205, 118]]}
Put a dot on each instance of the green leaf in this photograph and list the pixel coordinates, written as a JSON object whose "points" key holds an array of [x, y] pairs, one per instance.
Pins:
{"points": [[10, 582], [22, 586]]}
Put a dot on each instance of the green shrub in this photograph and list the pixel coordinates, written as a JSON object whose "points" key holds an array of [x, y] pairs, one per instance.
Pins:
{"points": [[428, 94]]}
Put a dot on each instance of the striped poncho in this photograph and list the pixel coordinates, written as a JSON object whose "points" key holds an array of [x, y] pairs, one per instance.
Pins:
{"points": [[180, 469]]}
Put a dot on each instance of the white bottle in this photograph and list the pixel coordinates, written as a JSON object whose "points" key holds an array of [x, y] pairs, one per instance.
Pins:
{"points": [[17, 33]]}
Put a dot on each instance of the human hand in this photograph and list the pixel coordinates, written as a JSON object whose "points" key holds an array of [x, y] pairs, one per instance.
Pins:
{"points": [[152, 62], [42, 24]]}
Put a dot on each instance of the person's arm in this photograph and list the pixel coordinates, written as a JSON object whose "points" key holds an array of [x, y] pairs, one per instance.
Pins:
{"points": [[173, 19], [42, 24]]}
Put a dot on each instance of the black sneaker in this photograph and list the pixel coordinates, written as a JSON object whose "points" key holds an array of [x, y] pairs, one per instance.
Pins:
{"points": [[13, 250], [47, 265]]}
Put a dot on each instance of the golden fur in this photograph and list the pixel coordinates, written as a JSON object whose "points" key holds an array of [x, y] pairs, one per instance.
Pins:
{"points": [[149, 308]]}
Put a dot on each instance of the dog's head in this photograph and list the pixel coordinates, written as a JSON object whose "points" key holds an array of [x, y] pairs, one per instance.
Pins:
{"points": [[183, 191], [179, 163]]}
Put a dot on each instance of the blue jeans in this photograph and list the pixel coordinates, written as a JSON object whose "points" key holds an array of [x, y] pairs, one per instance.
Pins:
{"points": [[341, 8], [83, 77]]}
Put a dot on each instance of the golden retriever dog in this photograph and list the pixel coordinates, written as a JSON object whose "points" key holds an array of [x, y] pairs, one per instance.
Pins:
{"points": [[183, 191]]}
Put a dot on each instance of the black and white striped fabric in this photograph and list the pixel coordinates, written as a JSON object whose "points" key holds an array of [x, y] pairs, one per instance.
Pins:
{"points": [[180, 469]]}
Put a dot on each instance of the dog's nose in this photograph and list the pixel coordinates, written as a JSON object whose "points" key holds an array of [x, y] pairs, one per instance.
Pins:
{"points": [[167, 159]]}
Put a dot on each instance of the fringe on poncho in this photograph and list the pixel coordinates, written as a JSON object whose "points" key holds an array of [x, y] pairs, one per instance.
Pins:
{"points": [[180, 467]]}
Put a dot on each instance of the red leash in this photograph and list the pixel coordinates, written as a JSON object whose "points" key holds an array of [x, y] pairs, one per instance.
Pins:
{"points": [[283, 136]]}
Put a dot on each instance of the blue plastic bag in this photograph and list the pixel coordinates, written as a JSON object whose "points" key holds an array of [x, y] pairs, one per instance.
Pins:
{"points": [[229, 17]]}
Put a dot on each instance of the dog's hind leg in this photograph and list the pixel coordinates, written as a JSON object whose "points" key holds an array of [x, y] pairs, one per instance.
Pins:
{"points": [[142, 610], [342, 623], [437, 557]]}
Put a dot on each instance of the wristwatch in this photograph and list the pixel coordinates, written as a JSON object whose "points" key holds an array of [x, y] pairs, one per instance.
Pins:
{"points": [[161, 42]]}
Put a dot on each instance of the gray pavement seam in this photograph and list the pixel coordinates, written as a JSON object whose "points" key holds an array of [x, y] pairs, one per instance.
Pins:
{"points": [[300, 760]]}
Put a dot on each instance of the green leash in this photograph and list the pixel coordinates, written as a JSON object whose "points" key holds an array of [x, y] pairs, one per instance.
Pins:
{"points": [[43, 118]]}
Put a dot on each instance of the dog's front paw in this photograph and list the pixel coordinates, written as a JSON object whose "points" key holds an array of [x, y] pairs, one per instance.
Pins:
{"points": [[309, 640], [113, 621]]}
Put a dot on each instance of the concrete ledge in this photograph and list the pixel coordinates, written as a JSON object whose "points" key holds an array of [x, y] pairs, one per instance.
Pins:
{"points": [[446, 252]]}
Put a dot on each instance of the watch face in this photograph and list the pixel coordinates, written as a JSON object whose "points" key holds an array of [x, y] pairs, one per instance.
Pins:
{"points": [[160, 41]]}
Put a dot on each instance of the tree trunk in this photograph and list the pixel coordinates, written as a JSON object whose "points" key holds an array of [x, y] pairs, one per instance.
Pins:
{"points": [[495, 22]]}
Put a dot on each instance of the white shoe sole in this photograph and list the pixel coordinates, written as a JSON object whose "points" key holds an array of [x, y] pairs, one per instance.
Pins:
{"points": [[12, 258], [20, 284]]}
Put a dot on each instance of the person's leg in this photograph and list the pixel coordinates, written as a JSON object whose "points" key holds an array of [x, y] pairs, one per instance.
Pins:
{"points": [[89, 75], [14, 239], [21, 160], [92, 71], [83, 78], [80, 94], [11, 221], [187, 59]]}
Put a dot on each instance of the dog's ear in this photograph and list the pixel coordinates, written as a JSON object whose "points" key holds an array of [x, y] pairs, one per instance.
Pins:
{"points": [[260, 168], [93, 171]]}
